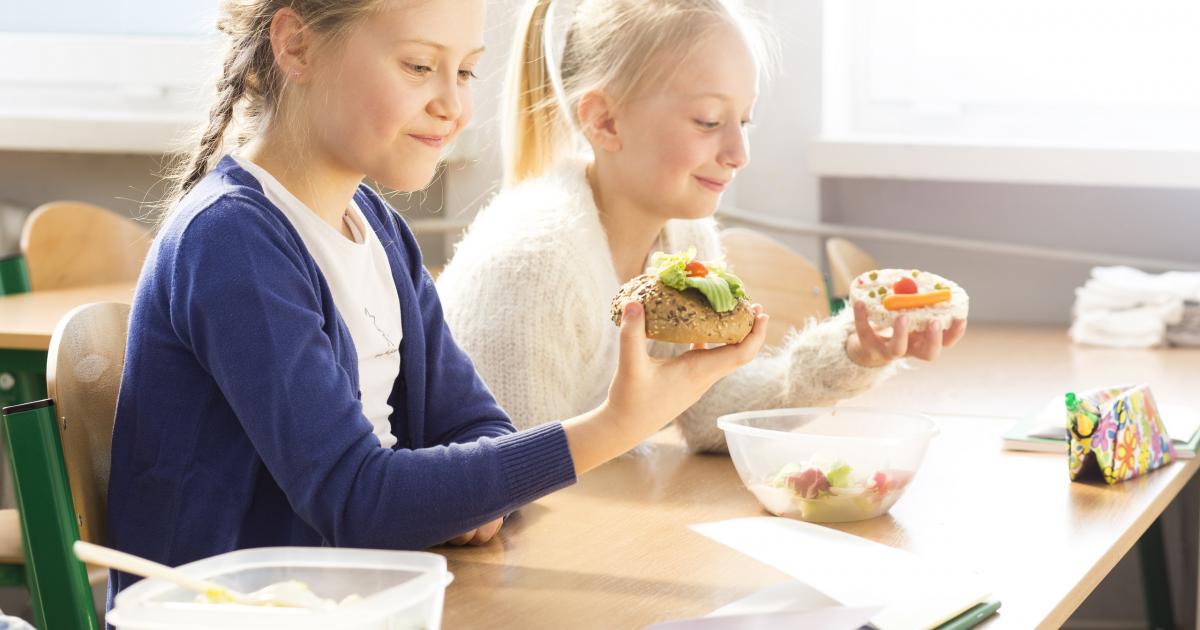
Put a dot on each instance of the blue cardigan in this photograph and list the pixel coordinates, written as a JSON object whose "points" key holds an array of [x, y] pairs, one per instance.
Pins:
{"points": [[239, 422]]}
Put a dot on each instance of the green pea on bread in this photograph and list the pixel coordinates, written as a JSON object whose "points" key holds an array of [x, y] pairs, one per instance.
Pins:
{"points": [[920, 296]]}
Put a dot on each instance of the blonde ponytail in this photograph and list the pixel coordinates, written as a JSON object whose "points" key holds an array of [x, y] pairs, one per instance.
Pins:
{"points": [[535, 127]]}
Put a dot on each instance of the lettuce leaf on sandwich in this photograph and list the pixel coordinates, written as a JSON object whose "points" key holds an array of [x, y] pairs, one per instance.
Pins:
{"points": [[721, 288]]}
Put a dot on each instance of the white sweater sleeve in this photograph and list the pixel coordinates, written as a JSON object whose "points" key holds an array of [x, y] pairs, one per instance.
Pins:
{"points": [[515, 313], [810, 369]]}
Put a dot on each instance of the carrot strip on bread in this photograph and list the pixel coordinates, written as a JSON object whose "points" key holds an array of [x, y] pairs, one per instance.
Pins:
{"points": [[896, 302]]}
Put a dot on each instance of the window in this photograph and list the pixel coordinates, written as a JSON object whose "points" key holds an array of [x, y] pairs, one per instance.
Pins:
{"points": [[119, 75], [177, 18], [1077, 73]]}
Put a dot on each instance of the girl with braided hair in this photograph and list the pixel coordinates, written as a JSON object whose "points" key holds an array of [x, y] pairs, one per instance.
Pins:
{"points": [[289, 379]]}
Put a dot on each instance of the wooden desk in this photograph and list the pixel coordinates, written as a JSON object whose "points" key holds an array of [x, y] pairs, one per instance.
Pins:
{"points": [[27, 320], [1015, 370], [614, 550]]}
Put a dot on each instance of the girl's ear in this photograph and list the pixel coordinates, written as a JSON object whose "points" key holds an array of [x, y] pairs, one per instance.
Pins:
{"points": [[598, 121], [291, 45]]}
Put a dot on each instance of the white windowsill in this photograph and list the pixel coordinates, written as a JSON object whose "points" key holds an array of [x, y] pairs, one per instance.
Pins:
{"points": [[93, 133], [997, 162]]}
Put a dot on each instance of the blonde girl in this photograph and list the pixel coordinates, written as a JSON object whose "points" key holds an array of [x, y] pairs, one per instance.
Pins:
{"points": [[660, 93], [289, 379]]}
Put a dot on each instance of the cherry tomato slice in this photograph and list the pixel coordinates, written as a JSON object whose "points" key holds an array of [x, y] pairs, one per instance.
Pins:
{"points": [[696, 269], [905, 286]]}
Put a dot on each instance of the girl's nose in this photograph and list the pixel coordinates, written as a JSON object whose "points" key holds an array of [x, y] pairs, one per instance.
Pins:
{"points": [[735, 149], [446, 103]]}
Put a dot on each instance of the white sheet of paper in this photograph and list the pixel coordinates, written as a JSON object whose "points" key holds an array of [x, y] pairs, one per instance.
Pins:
{"points": [[855, 572], [785, 596]]}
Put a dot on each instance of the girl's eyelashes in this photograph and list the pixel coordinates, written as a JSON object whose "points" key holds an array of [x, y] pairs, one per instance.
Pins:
{"points": [[421, 69], [745, 123]]}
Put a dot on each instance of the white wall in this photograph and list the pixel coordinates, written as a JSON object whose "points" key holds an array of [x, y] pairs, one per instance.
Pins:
{"points": [[120, 182], [1143, 222], [471, 184], [777, 182]]}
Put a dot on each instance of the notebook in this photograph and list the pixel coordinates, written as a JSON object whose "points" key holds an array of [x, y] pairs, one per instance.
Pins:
{"points": [[1045, 431], [835, 567]]}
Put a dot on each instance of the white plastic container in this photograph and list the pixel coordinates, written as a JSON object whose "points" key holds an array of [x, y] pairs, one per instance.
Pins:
{"points": [[399, 590], [827, 464]]}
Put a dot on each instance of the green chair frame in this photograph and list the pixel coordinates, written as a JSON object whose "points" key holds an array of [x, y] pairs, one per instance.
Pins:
{"points": [[22, 377], [22, 372], [60, 594], [14, 277]]}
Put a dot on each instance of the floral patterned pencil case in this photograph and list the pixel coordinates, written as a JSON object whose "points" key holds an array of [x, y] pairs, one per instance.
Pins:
{"points": [[1117, 433]]}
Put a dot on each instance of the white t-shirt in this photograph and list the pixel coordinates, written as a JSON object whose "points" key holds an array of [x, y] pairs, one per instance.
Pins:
{"points": [[364, 292]]}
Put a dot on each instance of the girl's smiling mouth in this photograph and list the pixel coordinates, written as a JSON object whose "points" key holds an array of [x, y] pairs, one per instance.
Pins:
{"points": [[712, 184]]}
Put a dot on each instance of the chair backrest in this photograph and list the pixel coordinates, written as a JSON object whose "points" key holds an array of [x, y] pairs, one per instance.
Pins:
{"points": [[788, 286], [59, 449], [72, 244], [83, 375], [846, 262]]}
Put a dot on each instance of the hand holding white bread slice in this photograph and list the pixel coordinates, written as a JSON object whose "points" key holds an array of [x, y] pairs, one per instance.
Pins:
{"points": [[920, 296]]}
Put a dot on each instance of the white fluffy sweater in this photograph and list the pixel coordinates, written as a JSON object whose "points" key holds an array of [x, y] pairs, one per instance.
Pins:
{"points": [[527, 296]]}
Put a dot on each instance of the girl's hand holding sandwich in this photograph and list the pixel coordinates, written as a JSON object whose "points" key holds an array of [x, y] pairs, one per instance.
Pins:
{"points": [[646, 392]]}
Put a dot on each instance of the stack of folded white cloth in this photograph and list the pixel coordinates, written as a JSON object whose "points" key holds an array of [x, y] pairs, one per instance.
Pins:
{"points": [[1187, 331], [1126, 308]]}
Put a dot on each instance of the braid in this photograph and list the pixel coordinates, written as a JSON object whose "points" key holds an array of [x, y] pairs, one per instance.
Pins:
{"points": [[230, 90], [250, 86]]}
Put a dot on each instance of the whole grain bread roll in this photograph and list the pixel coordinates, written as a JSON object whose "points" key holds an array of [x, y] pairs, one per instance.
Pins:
{"points": [[682, 316]]}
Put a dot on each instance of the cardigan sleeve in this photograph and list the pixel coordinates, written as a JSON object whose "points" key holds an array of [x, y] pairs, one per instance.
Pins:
{"points": [[245, 302]]}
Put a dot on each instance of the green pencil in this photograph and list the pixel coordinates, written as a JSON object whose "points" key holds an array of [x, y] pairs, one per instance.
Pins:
{"points": [[972, 617]]}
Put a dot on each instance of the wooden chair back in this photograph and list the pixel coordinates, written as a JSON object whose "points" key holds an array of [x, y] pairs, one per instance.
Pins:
{"points": [[72, 244], [846, 262], [83, 376], [788, 286]]}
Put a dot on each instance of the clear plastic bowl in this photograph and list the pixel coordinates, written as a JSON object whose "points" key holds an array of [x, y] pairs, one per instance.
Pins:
{"points": [[399, 589], [827, 464]]}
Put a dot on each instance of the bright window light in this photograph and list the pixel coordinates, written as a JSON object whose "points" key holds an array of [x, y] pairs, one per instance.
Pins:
{"points": [[117, 75], [1092, 73], [109, 17]]}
